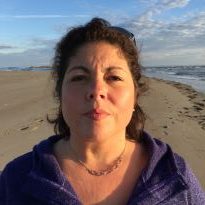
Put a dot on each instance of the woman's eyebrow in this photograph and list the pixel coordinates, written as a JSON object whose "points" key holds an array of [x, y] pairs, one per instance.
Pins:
{"points": [[114, 68], [87, 70]]}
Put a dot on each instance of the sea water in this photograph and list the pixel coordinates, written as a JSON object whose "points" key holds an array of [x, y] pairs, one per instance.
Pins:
{"points": [[24, 68], [190, 75]]}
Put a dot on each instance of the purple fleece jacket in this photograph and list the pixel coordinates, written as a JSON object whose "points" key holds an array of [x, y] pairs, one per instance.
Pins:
{"points": [[36, 179]]}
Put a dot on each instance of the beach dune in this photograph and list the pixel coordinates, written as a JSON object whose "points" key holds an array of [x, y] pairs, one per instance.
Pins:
{"points": [[175, 114]]}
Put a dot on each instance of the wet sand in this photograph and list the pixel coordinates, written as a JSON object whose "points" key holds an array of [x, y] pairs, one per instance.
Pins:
{"points": [[175, 114]]}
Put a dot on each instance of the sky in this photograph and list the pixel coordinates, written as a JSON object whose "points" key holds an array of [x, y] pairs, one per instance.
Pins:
{"points": [[168, 32]]}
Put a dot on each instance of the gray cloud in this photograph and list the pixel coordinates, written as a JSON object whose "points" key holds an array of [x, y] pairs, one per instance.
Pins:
{"points": [[169, 4], [160, 6], [180, 56], [145, 25], [30, 57], [42, 43], [6, 47], [163, 42]]}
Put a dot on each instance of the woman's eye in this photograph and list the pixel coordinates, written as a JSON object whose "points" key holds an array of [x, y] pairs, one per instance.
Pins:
{"points": [[114, 78], [78, 78]]}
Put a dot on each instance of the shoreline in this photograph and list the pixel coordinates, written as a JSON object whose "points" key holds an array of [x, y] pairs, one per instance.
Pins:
{"points": [[195, 97], [175, 114]]}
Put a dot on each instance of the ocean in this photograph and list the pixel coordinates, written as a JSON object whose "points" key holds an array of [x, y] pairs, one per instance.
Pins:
{"points": [[24, 68], [190, 75]]}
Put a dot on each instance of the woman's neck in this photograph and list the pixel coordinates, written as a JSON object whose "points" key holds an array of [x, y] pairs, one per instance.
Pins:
{"points": [[93, 153]]}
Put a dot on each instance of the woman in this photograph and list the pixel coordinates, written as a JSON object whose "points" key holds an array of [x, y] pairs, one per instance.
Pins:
{"points": [[101, 155]]}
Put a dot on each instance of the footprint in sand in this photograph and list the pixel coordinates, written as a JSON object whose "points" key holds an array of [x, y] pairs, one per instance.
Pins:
{"points": [[202, 123], [32, 126], [197, 108], [199, 104], [38, 120], [24, 128], [166, 133]]}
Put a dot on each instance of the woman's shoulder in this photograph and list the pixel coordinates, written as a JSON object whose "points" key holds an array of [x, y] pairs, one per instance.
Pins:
{"points": [[164, 160], [168, 174], [13, 175], [163, 157], [18, 171], [19, 165], [24, 163]]}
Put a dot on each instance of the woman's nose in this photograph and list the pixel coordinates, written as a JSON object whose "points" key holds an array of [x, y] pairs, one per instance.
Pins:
{"points": [[97, 90]]}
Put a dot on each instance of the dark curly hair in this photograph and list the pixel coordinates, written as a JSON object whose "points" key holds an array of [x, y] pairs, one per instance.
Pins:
{"points": [[94, 31]]}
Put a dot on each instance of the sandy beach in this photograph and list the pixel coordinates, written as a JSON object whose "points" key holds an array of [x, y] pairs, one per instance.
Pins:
{"points": [[175, 114]]}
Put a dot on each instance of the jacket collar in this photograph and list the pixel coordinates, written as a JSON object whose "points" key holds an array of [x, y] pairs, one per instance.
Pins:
{"points": [[49, 192], [46, 181], [162, 178]]}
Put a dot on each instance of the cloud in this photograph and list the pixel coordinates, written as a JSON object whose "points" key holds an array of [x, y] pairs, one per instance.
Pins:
{"points": [[169, 4], [42, 43], [30, 57], [160, 6], [175, 41], [189, 28], [42, 16], [182, 56], [34, 43], [147, 1], [2, 47], [184, 28]]}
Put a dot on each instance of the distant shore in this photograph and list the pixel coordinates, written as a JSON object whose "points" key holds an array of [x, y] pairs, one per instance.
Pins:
{"points": [[42, 66], [175, 114]]}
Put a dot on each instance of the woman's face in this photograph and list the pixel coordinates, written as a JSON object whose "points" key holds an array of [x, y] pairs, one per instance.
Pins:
{"points": [[98, 94]]}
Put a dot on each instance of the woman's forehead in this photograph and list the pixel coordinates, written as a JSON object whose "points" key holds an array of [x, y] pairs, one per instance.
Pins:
{"points": [[101, 54]]}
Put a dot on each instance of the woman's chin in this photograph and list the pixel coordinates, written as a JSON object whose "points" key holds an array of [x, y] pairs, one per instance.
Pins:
{"points": [[96, 135]]}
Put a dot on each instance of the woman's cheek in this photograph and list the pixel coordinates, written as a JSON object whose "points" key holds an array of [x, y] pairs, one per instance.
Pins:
{"points": [[125, 100]]}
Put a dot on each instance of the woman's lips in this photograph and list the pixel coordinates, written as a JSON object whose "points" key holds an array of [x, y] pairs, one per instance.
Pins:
{"points": [[96, 114]]}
